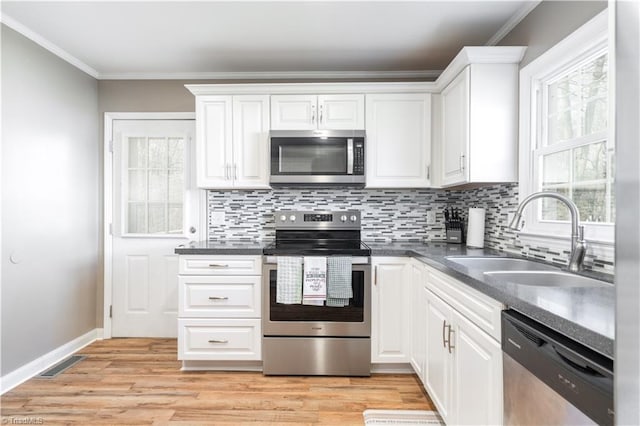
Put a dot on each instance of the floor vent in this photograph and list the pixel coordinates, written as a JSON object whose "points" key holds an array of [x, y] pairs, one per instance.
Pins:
{"points": [[61, 366], [401, 417]]}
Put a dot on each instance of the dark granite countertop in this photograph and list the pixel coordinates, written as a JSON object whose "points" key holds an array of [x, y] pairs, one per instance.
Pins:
{"points": [[584, 314], [223, 247]]}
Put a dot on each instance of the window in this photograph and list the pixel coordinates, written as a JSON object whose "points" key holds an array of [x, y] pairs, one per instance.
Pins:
{"points": [[154, 185], [566, 145]]}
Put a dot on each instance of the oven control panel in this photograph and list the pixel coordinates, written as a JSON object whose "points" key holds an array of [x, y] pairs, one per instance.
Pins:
{"points": [[291, 219]]}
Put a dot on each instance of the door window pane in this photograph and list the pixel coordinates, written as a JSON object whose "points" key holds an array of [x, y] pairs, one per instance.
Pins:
{"points": [[154, 195]]}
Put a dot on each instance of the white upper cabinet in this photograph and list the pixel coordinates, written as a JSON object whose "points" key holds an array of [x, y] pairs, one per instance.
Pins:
{"points": [[398, 150], [479, 124], [311, 112], [232, 141]]}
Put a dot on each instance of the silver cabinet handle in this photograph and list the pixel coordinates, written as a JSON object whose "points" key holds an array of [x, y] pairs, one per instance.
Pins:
{"points": [[444, 339], [320, 121], [375, 275], [235, 171], [218, 265], [218, 298], [461, 162], [313, 114], [428, 171], [218, 341], [449, 338]]}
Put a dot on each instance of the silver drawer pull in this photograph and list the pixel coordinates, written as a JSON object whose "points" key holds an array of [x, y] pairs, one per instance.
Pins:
{"points": [[218, 298], [218, 265], [218, 341]]}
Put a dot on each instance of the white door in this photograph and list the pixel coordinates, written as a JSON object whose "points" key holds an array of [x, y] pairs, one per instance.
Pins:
{"points": [[155, 208], [251, 141], [477, 387], [341, 112], [398, 140], [455, 130], [293, 112], [389, 311], [438, 360]]}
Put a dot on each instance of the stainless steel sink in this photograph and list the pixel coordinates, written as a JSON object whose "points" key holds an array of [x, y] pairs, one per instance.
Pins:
{"points": [[499, 264], [545, 279]]}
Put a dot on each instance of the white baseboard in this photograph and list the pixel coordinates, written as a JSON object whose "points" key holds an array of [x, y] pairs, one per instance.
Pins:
{"points": [[221, 365], [27, 371], [392, 368]]}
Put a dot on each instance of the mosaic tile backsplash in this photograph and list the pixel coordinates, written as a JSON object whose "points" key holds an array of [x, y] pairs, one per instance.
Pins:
{"points": [[387, 215]]}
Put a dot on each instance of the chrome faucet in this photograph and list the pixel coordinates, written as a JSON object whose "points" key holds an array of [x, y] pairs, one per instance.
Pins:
{"points": [[578, 243]]}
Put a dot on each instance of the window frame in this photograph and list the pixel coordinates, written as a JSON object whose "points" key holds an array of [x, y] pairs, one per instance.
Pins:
{"points": [[587, 42]]}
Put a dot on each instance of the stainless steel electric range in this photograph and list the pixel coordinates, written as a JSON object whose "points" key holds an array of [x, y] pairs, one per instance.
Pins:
{"points": [[301, 339]]}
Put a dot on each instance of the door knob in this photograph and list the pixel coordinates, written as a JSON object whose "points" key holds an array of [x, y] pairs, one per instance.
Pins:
{"points": [[192, 230]]}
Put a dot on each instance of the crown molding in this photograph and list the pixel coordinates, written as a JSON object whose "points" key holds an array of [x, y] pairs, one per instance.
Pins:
{"points": [[515, 19], [315, 88], [276, 75], [480, 55], [51, 47]]}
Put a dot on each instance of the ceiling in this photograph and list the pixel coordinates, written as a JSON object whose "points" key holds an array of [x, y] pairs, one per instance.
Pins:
{"points": [[262, 39]]}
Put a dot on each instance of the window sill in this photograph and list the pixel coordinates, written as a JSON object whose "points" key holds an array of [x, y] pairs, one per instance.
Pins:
{"points": [[600, 249]]}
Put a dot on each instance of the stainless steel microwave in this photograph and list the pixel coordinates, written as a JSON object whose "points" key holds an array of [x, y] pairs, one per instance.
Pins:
{"points": [[317, 157]]}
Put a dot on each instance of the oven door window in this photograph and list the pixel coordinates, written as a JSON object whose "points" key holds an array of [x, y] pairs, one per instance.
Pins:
{"points": [[354, 312], [290, 156]]}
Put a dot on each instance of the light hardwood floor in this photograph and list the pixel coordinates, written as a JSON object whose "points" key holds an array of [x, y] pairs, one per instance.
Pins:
{"points": [[138, 381]]}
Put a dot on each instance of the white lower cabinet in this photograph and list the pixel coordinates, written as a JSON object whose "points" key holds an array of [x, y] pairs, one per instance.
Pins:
{"points": [[219, 308], [390, 296], [418, 348], [477, 375], [463, 360], [219, 339]]}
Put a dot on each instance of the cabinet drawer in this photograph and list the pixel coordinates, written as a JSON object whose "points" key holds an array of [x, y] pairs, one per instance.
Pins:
{"points": [[220, 265], [219, 297], [477, 307], [219, 339]]}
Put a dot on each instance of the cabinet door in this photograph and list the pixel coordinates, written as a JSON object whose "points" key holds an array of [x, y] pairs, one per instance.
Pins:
{"points": [[418, 319], [398, 150], [293, 112], [390, 311], [337, 112], [251, 141], [477, 372], [438, 359], [455, 130], [214, 141]]}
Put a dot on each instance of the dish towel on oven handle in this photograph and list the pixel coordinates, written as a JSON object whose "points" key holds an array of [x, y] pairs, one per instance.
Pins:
{"points": [[314, 283], [289, 280], [339, 289]]}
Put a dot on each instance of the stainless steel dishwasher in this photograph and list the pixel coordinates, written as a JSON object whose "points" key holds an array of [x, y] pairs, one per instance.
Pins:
{"points": [[550, 379]]}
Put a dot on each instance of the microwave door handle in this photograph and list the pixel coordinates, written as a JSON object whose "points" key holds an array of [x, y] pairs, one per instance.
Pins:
{"points": [[280, 159], [349, 156]]}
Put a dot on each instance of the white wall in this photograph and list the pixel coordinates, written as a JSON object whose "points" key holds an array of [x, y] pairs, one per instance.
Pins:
{"points": [[49, 201]]}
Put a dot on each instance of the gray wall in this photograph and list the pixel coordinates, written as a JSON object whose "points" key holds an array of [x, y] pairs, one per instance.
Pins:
{"points": [[549, 23], [49, 201]]}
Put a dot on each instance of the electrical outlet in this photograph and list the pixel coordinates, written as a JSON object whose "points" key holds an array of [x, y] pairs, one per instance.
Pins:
{"points": [[217, 218], [431, 217]]}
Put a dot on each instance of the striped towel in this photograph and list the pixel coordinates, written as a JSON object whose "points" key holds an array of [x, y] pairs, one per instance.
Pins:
{"points": [[314, 287], [289, 280], [339, 289]]}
